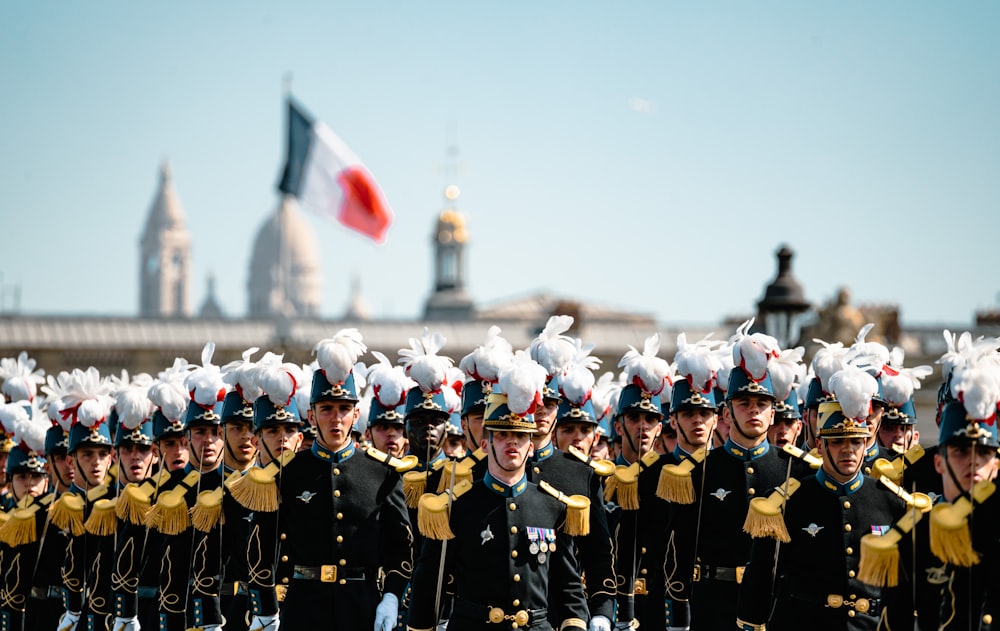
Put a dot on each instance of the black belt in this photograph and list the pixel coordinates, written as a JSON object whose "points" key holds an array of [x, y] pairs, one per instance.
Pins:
{"points": [[704, 571], [49, 591], [863, 605], [328, 573], [496, 615]]}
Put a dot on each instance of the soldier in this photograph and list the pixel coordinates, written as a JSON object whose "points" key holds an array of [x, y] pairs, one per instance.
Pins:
{"points": [[339, 516], [814, 574], [503, 549], [386, 424]]}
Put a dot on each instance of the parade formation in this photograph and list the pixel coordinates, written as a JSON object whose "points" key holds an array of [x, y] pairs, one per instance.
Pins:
{"points": [[734, 487]]}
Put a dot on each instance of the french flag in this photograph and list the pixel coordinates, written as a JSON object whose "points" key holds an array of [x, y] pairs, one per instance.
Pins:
{"points": [[327, 177]]}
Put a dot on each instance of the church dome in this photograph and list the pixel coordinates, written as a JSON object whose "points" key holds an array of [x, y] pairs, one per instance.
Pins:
{"points": [[284, 268]]}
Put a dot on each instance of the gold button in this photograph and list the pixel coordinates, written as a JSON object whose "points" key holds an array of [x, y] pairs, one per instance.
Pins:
{"points": [[283, 536], [343, 581], [336, 471], [517, 578], [340, 515], [513, 554], [847, 504], [854, 596], [852, 574], [343, 562], [340, 538], [644, 549], [513, 506], [285, 580], [336, 493], [643, 571], [847, 528], [284, 559], [516, 603], [850, 613], [749, 469], [987, 619], [513, 530], [536, 470], [849, 550], [750, 491]]}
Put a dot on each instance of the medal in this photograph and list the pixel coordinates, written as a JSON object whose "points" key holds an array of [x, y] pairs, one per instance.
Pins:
{"points": [[533, 548], [544, 546], [542, 557]]}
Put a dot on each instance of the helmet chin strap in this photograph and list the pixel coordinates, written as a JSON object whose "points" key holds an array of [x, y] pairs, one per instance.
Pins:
{"points": [[493, 448], [734, 424], [844, 474]]}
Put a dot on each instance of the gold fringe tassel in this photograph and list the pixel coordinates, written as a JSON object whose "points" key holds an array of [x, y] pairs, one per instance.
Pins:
{"points": [[675, 485], [766, 515], [434, 515], [103, 520], [577, 510], [170, 513], [134, 503], [950, 538], [67, 514], [207, 511], [879, 562], [256, 490], [610, 488], [20, 529], [414, 485]]}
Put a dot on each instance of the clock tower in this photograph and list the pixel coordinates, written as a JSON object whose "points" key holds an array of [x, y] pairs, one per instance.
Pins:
{"points": [[165, 256]]}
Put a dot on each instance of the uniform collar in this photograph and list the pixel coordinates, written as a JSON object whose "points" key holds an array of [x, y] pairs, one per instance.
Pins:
{"points": [[680, 454], [327, 455], [544, 453], [500, 488], [846, 488], [871, 453], [745, 454]]}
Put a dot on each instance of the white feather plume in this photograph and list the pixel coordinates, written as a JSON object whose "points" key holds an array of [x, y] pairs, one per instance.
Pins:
{"points": [[753, 351], [422, 363], [54, 389], [205, 383], [484, 362], [725, 356], [853, 388], [787, 371], [276, 379], [20, 379], [452, 389], [169, 393], [30, 431], [237, 374], [552, 349], [132, 401], [977, 386], [389, 383], [336, 356], [871, 355], [304, 392], [88, 396], [604, 391], [698, 362], [645, 369], [523, 381], [827, 361], [576, 383], [899, 383], [10, 415]]}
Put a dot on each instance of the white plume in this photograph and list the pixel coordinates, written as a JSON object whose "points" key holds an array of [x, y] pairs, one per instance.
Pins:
{"points": [[304, 392], [30, 430], [552, 349], [10, 415], [853, 388], [422, 363], [978, 388], [132, 401], [725, 356], [604, 391], [452, 389], [576, 382], [337, 355], [89, 396], [899, 383], [645, 369], [698, 362], [484, 363], [871, 355], [389, 383], [523, 381], [276, 379], [54, 389], [169, 393], [20, 379], [787, 371], [205, 382], [828, 360], [237, 374], [752, 351]]}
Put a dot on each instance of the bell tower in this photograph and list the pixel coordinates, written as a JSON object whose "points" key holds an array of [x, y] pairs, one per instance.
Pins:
{"points": [[449, 300], [165, 256]]}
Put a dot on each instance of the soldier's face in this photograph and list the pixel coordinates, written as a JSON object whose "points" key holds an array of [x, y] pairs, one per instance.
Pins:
{"points": [[509, 450], [545, 416], [135, 462], [206, 445], [3, 467], [601, 449], [579, 435], [173, 452], [61, 470], [784, 432], [91, 465], [752, 414], [896, 435], [277, 439], [388, 438], [472, 425], [842, 457], [241, 444], [694, 427], [639, 431], [334, 422], [32, 484], [969, 464], [425, 432]]}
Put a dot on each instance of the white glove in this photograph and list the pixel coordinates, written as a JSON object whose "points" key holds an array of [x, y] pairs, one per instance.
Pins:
{"points": [[68, 620], [264, 623], [127, 624], [385, 613], [599, 623]]}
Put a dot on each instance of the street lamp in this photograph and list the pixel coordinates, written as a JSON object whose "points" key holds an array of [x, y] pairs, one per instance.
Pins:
{"points": [[783, 304]]}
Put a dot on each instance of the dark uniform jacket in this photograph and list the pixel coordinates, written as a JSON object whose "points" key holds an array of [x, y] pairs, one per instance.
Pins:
{"points": [[86, 567], [972, 595], [509, 561], [343, 528], [20, 602], [816, 583]]}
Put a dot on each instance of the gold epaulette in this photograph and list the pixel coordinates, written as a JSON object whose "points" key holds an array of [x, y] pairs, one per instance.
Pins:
{"points": [[414, 485], [462, 469], [765, 518], [675, 484], [19, 526], [207, 511], [103, 520], [894, 470], [879, 562], [66, 513], [169, 515], [624, 485], [402, 465], [808, 457], [577, 510], [603, 468], [433, 512], [135, 500], [950, 539], [257, 489]]}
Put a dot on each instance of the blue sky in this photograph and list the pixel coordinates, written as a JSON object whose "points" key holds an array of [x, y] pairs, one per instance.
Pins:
{"points": [[645, 155]]}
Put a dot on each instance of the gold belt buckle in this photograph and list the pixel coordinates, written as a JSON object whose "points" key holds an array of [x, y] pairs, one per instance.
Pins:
{"points": [[862, 605], [279, 592], [328, 573], [739, 573], [834, 601], [521, 618], [640, 586], [697, 572], [496, 615]]}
